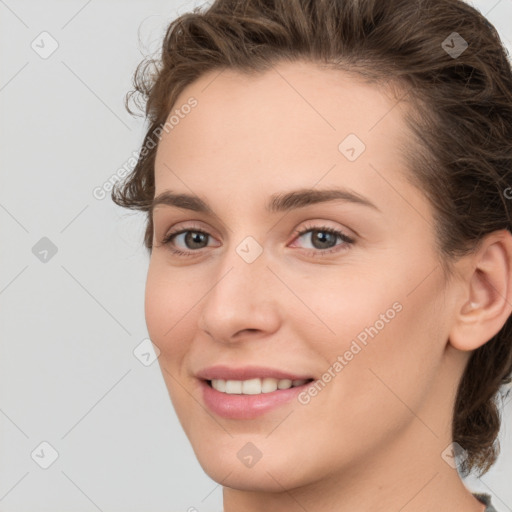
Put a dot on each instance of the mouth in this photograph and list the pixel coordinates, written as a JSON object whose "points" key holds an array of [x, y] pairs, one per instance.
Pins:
{"points": [[249, 399], [255, 386], [247, 392]]}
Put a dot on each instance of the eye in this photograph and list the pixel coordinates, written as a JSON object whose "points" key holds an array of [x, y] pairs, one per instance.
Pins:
{"points": [[193, 239], [323, 239]]}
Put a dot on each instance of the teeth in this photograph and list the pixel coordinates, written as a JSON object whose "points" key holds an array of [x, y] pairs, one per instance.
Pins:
{"points": [[250, 387], [268, 385], [284, 384], [233, 387], [254, 386]]}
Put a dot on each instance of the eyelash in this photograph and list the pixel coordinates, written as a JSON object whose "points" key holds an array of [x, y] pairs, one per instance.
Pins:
{"points": [[315, 252]]}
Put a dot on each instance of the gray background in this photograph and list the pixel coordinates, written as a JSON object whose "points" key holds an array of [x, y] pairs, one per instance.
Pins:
{"points": [[71, 321]]}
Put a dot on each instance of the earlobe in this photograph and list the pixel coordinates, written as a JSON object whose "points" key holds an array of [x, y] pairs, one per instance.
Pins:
{"points": [[486, 302]]}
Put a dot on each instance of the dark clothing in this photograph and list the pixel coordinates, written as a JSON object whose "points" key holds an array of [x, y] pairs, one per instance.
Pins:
{"points": [[486, 500]]}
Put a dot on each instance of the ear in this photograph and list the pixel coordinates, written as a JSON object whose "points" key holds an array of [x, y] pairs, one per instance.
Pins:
{"points": [[486, 301]]}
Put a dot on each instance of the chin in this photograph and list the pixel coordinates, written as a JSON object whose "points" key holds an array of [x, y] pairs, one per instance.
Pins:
{"points": [[230, 465], [260, 478]]}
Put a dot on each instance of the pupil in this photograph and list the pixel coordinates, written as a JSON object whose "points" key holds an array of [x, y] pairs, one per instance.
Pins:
{"points": [[194, 237], [322, 239]]}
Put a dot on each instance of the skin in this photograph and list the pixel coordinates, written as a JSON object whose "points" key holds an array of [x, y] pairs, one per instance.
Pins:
{"points": [[372, 439]]}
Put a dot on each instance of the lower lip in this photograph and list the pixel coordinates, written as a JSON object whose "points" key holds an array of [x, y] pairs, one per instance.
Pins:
{"points": [[246, 407]]}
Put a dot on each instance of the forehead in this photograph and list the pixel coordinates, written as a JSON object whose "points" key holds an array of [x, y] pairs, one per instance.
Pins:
{"points": [[296, 122]]}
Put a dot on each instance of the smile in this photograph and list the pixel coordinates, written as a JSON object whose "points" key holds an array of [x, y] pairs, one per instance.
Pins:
{"points": [[254, 386], [249, 399]]}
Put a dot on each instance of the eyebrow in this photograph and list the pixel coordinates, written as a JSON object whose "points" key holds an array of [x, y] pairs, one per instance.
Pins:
{"points": [[281, 202]]}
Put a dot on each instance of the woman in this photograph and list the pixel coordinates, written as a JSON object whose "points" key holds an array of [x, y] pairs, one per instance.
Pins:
{"points": [[328, 221]]}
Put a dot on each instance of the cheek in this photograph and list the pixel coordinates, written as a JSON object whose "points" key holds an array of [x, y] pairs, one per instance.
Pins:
{"points": [[168, 316], [392, 347], [344, 307], [167, 307], [373, 326], [156, 304]]}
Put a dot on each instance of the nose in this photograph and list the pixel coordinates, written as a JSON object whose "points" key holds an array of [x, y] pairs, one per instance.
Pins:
{"points": [[243, 300]]}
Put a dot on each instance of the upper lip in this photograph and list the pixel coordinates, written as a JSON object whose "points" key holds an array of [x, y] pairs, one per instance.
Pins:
{"points": [[247, 372]]}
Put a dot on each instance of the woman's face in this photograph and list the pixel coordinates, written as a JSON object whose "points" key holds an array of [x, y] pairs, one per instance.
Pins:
{"points": [[357, 302]]}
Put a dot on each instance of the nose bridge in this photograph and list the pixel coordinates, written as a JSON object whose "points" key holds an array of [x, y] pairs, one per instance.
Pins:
{"points": [[240, 297]]}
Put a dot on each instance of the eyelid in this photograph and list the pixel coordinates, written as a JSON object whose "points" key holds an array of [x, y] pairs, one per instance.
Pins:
{"points": [[192, 225], [310, 225], [341, 234], [165, 239], [320, 225]]}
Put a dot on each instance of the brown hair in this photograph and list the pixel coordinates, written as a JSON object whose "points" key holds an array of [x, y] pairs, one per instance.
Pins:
{"points": [[461, 122]]}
